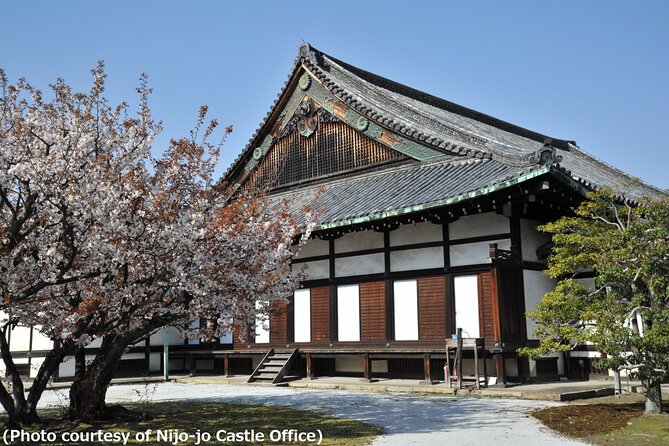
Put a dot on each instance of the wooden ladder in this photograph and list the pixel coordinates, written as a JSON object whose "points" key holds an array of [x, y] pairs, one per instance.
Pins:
{"points": [[273, 367]]}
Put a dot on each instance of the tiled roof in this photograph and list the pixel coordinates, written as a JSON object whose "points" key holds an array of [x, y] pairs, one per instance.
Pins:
{"points": [[406, 188], [489, 151], [438, 122]]}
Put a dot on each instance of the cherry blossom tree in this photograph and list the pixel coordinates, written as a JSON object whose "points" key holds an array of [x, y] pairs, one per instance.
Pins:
{"points": [[100, 240]]}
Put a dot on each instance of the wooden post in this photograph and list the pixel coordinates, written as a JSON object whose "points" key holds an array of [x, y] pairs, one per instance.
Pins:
{"points": [[191, 358], [310, 367], [500, 368], [476, 366], [367, 368], [458, 358], [448, 365], [485, 367], [226, 365], [427, 373]]}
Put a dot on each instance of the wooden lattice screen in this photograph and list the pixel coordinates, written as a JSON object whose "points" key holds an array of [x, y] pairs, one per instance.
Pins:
{"points": [[333, 147]]}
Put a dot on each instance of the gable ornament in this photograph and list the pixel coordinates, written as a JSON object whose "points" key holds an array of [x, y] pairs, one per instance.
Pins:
{"points": [[546, 155], [307, 119]]}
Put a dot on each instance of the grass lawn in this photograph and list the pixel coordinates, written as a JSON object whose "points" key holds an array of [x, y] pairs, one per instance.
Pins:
{"points": [[609, 421], [211, 418]]}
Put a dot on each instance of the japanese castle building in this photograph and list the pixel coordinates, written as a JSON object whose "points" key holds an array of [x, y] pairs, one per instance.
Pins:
{"points": [[427, 223]]}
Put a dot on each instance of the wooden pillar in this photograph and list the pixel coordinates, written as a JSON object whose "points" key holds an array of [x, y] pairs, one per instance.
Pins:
{"points": [[367, 368], [476, 366], [458, 358], [191, 362], [147, 355], [226, 365], [310, 367], [500, 369], [427, 369]]}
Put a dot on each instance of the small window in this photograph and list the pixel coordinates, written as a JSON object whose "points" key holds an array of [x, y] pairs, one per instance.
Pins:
{"points": [[348, 313], [405, 306]]}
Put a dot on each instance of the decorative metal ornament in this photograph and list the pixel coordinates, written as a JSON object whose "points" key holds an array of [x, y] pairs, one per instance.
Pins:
{"points": [[258, 153], [307, 119], [362, 123], [546, 155], [305, 82]]}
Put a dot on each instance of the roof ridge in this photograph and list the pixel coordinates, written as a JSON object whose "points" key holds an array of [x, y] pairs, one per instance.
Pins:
{"points": [[430, 99]]}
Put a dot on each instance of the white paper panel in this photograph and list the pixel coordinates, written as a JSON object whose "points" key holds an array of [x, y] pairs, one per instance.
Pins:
{"points": [[467, 305], [302, 318], [405, 307], [348, 313], [262, 333], [477, 225]]}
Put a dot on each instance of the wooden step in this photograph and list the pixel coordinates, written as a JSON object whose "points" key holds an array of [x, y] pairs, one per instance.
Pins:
{"points": [[273, 367]]}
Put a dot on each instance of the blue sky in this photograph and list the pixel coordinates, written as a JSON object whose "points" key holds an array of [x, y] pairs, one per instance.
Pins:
{"points": [[591, 71]]}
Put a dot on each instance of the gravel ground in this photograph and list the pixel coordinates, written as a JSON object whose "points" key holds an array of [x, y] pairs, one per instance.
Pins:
{"points": [[409, 419]]}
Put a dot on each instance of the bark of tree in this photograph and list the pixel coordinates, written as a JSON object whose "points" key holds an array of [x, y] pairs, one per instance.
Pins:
{"points": [[22, 410], [88, 392], [653, 396]]}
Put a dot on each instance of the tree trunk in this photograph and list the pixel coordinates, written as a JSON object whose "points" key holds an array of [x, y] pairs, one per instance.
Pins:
{"points": [[87, 397], [44, 374], [18, 397], [653, 390]]}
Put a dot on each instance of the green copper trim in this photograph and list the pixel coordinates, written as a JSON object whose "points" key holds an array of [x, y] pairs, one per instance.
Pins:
{"points": [[439, 203]]}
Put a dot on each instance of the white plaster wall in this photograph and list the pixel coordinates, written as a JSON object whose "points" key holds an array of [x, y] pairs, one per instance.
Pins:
{"points": [[358, 265], [531, 239], [411, 259], [348, 313], [313, 247], [379, 366], [302, 318], [155, 360], [349, 364], [355, 241], [174, 337], [35, 364], [405, 305], [474, 253], [511, 367], [20, 339], [97, 342], [320, 269], [477, 225], [41, 342], [416, 233], [66, 368], [193, 325], [536, 284]]}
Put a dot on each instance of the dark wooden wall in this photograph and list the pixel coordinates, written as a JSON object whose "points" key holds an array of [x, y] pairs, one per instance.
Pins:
{"points": [[278, 322], [320, 314], [434, 309], [486, 313], [373, 311]]}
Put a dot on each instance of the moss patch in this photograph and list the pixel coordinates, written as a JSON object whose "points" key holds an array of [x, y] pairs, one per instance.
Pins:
{"points": [[619, 423]]}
